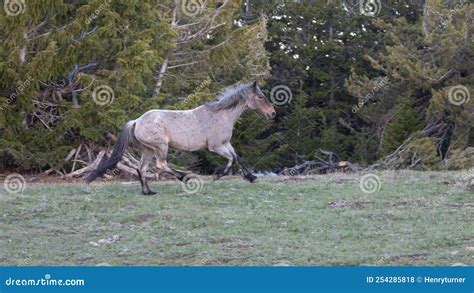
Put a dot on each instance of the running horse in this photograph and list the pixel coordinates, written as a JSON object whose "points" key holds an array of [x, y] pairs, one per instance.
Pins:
{"points": [[208, 126]]}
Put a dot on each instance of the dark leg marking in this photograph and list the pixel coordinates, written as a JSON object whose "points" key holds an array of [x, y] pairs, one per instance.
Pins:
{"points": [[247, 174], [145, 189], [221, 171]]}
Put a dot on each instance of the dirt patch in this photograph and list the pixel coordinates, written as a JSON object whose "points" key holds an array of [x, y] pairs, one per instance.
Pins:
{"points": [[220, 240], [409, 258], [229, 243], [347, 204], [43, 179], [51, 179], [139, 218], [239, 245], [407, 204], [294, 178], [104, 241], [85, 260], [459, 205]]}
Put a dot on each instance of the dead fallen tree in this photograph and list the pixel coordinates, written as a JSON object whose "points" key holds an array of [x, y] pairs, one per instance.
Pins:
{"points": [[330, 164], [437, 146], [83, 162]]}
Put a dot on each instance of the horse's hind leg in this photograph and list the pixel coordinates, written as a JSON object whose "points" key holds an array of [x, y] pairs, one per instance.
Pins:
{"points": [[147, 157], [226, 153], [161, 153]]}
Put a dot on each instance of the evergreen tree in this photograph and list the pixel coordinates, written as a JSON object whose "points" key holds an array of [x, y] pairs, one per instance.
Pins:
{"points": [[429, 64]]}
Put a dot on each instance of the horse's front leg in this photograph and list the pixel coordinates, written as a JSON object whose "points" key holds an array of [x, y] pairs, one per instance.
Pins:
{"points": [[246, 173]]}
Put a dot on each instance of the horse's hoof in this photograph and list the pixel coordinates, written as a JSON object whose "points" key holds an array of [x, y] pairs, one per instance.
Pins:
{"points": [[186, 178], [251, 178], [149, 193], [182, 177]]}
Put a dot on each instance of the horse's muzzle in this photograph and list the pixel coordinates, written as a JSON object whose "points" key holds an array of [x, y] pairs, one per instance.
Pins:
{"points": [[271, 115]]}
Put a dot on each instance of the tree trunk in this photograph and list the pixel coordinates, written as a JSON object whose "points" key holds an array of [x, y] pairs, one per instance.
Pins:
{"points": [[161, 76]]}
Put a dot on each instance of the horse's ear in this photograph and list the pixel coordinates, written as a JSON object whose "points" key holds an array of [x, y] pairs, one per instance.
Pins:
{"points": [[255, 85]]}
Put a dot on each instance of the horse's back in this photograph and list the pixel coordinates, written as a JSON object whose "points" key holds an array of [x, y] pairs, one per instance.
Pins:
{"points": [[180, 129]]}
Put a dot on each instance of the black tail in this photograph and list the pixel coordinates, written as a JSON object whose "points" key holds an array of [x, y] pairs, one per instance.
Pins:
{"points": [[119, 149]]}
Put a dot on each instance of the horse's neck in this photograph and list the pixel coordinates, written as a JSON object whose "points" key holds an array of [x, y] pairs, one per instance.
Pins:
{"points": [[225, 117], [233, 115]]}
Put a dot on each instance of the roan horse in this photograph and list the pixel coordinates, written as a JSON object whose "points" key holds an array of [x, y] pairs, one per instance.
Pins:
{"points": [[207, 126]]}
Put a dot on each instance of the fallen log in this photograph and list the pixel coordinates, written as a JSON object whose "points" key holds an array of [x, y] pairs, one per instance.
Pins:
{"points": [[321, 166]]}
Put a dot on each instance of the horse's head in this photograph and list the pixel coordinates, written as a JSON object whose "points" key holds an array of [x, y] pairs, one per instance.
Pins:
{"points": [[259, 102]]}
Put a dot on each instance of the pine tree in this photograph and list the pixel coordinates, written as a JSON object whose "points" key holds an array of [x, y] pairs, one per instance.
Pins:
{"points": [[314, 45]]}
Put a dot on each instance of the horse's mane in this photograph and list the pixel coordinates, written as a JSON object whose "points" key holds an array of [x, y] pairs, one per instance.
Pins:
{"points": [[229, 99]]}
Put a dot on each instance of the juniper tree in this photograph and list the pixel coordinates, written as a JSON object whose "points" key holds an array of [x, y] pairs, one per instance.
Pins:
{"points": [[429, 64], [67, 51], [73, 72]]}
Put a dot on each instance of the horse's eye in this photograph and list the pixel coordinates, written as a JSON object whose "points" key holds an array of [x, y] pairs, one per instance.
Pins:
{"points": [[260, 97]]}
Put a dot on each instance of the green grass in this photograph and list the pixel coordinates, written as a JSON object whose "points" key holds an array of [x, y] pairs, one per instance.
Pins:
{"points": [[416, 218]]}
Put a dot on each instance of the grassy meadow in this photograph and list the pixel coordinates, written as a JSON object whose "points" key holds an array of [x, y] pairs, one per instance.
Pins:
{"points": [[412, 218]]}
